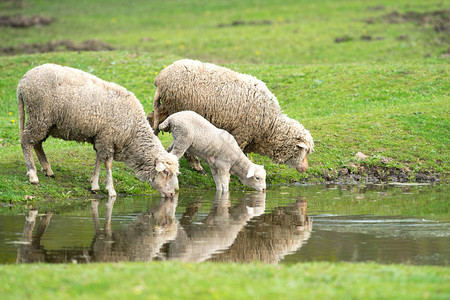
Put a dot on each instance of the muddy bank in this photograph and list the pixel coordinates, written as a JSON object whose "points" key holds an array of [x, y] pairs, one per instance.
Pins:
{"points": [[366, 169], [54, 46], [23, 21], [377, 174]]}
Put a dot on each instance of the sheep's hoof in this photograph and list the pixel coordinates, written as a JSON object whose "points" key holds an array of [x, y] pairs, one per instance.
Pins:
{"points": [[203, 172], [35, 182], [51, 175]]}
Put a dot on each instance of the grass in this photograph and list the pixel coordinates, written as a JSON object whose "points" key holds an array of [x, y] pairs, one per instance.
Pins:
{"points": [[173, 280], [383, 90], [386, 96], [348, 108]]}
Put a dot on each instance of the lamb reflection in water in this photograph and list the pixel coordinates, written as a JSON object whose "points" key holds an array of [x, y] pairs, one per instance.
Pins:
{"points": [[239, 233]]}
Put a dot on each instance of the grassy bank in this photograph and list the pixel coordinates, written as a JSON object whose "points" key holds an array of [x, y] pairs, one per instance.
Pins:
{"points": [[173, 280], [397, 111], [363, 78]]}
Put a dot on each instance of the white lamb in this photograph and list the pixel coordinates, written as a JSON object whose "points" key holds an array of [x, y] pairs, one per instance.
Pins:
{"points": [[195, 135]]}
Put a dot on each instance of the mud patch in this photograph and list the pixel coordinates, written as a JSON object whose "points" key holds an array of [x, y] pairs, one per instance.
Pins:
{"points": [[243, 23], [24, 22], [54, 46], [343, 39], [377, 174], [439, 20]]}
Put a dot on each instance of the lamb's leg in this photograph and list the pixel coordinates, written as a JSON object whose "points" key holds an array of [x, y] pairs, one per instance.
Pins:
{"points": [[194, 162], [96, 174], [221, 178], [225, 179], [43, 159], [109, 179], [180, 145]]}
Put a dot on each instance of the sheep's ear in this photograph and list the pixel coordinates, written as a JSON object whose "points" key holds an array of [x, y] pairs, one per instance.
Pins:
{"points": [[302, 146], [251, 172], [160, 166]]}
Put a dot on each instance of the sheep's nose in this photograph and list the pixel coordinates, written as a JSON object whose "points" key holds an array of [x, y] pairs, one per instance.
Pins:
{"points": [[264, 189], [170, 194]]}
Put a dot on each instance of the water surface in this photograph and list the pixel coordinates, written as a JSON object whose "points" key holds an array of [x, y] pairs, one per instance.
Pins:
{"points": [[385, 224]]}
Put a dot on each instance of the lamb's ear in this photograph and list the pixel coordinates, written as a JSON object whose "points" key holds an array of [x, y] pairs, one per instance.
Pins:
{"points": [[251, 172], [302, 146], [160, 166]]}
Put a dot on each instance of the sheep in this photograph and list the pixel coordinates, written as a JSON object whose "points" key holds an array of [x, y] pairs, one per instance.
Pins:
{"points": [[238, 103], [195, 135], [70, 104]]}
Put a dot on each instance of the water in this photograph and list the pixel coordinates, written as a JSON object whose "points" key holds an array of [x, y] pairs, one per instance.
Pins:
{"points": [[384, 224]]}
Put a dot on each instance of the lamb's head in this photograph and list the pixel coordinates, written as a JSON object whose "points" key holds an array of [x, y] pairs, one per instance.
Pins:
{"points": [[255, 178], [294, 143], [166, 180]]}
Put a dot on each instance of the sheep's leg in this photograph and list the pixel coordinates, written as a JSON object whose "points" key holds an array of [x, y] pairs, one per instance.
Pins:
{"points": [[109, 179], [42, 227], [96, 174], [28, 138], [43, 159], [108, 215], [27, 150], [95, 218], [194, 162]]}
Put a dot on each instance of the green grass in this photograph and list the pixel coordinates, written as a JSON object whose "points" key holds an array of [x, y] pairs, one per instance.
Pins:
{"points": [[300, 31], [366, 107], [387, 97], [173, 280]]}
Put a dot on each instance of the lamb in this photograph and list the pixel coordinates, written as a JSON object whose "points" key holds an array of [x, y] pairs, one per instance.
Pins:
{"points": [[195, 135], [237, 103], [70, 104]]}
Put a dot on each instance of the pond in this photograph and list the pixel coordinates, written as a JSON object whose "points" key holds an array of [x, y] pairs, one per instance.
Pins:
{"points": [[287, 224]]}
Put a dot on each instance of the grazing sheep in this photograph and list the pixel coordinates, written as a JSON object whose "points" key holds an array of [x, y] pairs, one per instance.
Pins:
{"points": [[195, 135], [237, 103], [73, 105]]}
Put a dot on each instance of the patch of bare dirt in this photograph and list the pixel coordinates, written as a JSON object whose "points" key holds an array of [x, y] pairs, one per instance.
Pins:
{"points": [[242, 22], [23, 21], [439, 20], [54, 46]]}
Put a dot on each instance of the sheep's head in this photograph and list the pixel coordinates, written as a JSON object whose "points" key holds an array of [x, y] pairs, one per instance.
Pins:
{"points": [[299, 160], [294, 144], [166, 180], [255, 178]]}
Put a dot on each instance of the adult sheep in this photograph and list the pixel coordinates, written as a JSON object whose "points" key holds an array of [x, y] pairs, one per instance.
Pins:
{"points": [[73, 105], [238, 103]]}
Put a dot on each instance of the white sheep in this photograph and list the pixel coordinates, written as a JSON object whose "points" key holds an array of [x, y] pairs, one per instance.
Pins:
{"points": [[73, 105], [195, 135], [237, 103]]}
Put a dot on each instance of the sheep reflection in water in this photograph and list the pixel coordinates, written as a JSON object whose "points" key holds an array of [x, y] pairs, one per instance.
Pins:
{"points": [[238, 233]]}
